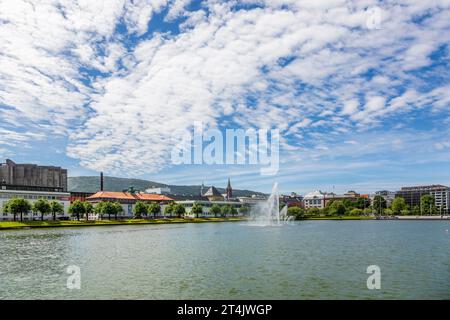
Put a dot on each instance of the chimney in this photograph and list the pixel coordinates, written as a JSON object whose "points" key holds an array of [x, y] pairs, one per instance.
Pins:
{"points": [[101, 181]]}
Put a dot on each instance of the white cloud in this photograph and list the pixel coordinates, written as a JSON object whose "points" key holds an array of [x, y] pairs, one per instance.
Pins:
{"points": [[305, 64]]}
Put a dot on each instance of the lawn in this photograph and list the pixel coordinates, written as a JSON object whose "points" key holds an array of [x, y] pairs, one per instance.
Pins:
{"points": [[4, 225]]}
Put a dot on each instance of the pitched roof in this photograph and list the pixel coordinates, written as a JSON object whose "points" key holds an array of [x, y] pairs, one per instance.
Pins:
{"points": [[212, 191], [128, 196]]}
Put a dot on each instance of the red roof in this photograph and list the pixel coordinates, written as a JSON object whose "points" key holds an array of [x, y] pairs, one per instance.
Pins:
{"points": [[128, 196]]}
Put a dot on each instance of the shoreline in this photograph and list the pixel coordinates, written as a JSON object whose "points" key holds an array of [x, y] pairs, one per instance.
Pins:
{"points": [[24, 225]]}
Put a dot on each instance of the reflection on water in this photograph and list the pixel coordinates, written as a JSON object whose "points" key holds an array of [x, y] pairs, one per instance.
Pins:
{"points": [[306, 260]]}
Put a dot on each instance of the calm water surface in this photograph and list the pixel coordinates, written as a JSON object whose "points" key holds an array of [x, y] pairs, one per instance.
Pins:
{"points": [[305, 260]]}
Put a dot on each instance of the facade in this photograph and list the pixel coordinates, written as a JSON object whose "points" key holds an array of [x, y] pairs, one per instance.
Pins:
{"points": [[315, 199], [32, 177], [213, 194], [158, 190], [33, 196], [389, 196], [440, 193], [128, 200]]}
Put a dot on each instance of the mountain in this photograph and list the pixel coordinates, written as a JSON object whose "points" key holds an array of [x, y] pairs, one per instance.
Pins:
{"points": [[92, 184]]}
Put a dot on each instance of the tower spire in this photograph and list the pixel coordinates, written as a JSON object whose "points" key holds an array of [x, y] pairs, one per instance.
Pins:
{"points": [[229, 190]]}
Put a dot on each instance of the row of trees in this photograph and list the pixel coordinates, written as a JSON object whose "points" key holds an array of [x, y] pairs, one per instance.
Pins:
{"points": [[400, 207], [197, 209], [363, 207], [80, 209], [20, 206]]}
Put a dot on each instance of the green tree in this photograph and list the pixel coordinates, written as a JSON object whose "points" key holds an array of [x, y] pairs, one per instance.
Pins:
{"points": [[314, 212], [117, 209], [215, 209], [197, 209], [225, 210], [88, 208], [42, 206], [379, 204], [398, 205], [233, 211], [56, 208], [356, 212], [388, 212], [155, 209], [296, 212], [337, 208], [98, 208], [140, 209], [427, 204], [168, 210], [416, 211], [17, 206], [179, 210], [77, 209], [244, 209]]}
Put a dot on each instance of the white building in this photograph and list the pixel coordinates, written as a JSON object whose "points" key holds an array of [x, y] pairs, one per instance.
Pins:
{"points": [[33, 196], [315, 199], [158, 190]]}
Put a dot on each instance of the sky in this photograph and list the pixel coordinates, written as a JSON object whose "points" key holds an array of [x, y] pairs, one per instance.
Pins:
{"points": [[358, 90]]}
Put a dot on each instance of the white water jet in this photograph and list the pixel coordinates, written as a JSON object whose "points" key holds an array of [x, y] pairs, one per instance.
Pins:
{"points": [[268, 213]]}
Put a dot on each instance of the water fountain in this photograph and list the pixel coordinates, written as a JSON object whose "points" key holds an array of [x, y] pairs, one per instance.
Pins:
{"points": [[268, 213]]}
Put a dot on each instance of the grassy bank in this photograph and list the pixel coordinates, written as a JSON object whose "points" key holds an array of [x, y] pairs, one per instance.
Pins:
{"points": [[8, 225], [341, 218]]}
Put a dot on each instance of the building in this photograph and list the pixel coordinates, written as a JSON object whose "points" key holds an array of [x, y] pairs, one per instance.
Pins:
{"points": [[213, 194], [128, 200], [229, 191], [292, 200], [389, 196], [33, 196], [158, 190], [315, 199], [32, 177], [412, 196]]}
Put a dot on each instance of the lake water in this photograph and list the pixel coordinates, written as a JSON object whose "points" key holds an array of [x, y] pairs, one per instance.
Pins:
{"points": [[304, 260]]}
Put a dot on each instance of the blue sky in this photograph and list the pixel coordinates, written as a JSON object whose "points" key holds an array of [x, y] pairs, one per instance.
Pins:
{"points": [[359, 90]]}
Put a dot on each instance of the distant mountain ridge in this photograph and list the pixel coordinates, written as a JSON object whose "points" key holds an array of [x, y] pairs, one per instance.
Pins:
{"points": [[92, 184]]}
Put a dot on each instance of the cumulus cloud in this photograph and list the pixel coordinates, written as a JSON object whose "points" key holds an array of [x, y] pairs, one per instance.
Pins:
{"points": [[92, 71]]}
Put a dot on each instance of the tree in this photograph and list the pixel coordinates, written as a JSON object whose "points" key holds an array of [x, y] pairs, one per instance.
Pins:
{"points": [[244, 209], [179, 210], [296, 212], [77, 209], [168, 210], [226, 209], [356, 212], [379, 203], [88, 208], [56, 208], [398, 205], [42, 206], [197, 209], [313, 211], [18, 206], [98, 209], [140, 209], [416, 210], [154, 208], [233, 211], [337, 208], [388, 212], [427, 204], [215, 209], [117, 207]]}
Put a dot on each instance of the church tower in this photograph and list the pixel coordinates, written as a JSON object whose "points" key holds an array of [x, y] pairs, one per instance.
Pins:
{"points": [[229, 190]]}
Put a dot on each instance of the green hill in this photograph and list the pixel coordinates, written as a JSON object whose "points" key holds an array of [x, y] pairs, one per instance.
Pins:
{"points": [[92, 184]]}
